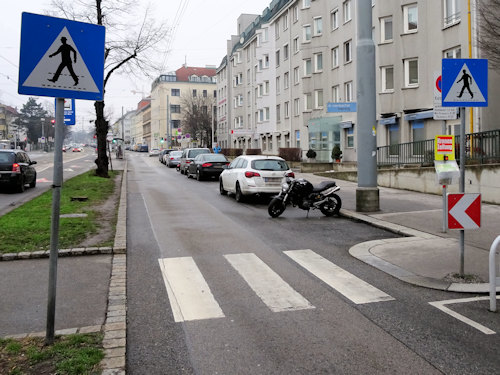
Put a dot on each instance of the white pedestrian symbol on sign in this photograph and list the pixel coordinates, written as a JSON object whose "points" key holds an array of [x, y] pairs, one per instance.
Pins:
{"points": [[50, 72], [464, 84]]}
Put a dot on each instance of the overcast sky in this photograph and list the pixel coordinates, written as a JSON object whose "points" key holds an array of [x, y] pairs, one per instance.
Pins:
{"points": [[203, 27]]}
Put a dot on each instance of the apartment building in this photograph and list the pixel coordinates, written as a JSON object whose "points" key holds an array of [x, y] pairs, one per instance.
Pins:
{"points": [[167, 94], [289, 77]]}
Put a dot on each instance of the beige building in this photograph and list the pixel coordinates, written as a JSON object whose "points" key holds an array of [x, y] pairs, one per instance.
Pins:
{"points": [[167, 93]]}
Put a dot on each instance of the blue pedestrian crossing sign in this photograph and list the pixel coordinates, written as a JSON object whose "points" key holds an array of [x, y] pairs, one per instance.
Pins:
{"points": [[61, 58], [464, 82]]}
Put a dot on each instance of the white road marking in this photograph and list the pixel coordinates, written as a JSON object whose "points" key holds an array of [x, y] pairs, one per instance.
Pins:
{"points": [[355, 289], [441, 306], [267, 284], [188, 292]]}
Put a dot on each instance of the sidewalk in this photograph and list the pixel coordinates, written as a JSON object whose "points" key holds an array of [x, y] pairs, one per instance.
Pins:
{"points": [[425, 255]]}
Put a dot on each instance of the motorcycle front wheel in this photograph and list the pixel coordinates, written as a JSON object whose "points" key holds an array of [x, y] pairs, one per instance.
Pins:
{"points": [[276, 207], [331, 206]]}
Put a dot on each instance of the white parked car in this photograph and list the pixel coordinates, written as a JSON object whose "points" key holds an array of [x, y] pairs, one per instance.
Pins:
{"points": [[154, 152], [254, 174]]}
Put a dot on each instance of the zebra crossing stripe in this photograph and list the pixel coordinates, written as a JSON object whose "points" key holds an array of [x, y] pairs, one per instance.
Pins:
{"points": [[189, 295], [268, 285], [353, 288]]}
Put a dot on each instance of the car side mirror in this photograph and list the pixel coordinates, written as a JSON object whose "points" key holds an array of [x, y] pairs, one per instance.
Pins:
{"points": [[32, 162]]}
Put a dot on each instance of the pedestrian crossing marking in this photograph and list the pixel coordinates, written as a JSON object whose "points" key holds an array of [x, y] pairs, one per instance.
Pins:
{"points": [[189, 295], [353, 288], [267, 284], [464, 88]]}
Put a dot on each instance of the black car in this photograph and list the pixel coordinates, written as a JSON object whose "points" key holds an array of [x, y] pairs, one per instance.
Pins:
{"points": [[16, 169], [206, 165]]}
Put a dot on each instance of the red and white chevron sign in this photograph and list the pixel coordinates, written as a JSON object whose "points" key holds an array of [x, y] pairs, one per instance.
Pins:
{"points": [[464, 211]]}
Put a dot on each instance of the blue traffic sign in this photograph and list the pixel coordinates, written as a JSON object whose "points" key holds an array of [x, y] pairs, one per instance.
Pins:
{"points": [[69, 111], [61, 58], [464, 82]]}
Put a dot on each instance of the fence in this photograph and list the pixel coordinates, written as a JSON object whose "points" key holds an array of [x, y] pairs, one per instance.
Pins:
{"points": [[481, 148]]}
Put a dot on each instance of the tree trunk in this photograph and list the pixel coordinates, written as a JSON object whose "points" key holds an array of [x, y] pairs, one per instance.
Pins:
{"points": [[101, 128]]}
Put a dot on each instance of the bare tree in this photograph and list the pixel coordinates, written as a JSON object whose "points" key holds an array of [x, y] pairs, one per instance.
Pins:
{"points": [[197, 117], [130, 48], [489, 31]]}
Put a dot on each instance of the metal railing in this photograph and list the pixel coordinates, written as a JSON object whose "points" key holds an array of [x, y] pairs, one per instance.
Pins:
{"points": [[481, 148]]}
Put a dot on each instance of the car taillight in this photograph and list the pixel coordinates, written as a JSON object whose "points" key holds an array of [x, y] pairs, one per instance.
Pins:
{"points": [[171, 158], [16, 168], [188, 161], [249, 174], [290, 174], [205, 165]]}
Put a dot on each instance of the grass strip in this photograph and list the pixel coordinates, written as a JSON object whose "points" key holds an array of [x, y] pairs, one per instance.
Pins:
{"points": [[27, 228], [69, 355]]}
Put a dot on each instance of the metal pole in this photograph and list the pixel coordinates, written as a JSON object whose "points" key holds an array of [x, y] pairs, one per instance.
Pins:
{"points": [[54, 227], [445, 210], [462, 184], [367, 193], [493, 278]]}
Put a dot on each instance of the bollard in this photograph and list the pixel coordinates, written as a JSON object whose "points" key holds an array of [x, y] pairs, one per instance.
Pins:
{"points": [[493, 277]]}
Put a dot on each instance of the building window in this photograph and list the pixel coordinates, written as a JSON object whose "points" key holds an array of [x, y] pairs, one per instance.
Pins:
{"points": [[266, 87], [175, 108], [287, 109], [387, 78], [453, 53], [307, 102], [307, 67], [306, 4], [411, 72], [386, 29], [286, 80], [277, 29], [307, 33], [348, 92], [176, 92], [194, 94], [318, 26], [318, 62], [285, 52], [334, 19], [347, 11], [451, 12], [335, 94], [296, 75], [278, 112], [335, 57], [350, 137], [266, 61], [297, 138], [393, 139], [410, 18], [205, 93], [278, 85], [318, 99], [278, 58], [285, 22], [296, 47], [296, 107], [347, 52], [295, 13]]}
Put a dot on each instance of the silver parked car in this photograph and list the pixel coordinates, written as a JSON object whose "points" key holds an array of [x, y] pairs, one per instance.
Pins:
{"points": [[188, 154], [172, 159]]}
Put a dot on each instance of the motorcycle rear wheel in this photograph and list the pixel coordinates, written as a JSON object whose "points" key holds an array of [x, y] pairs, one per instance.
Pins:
{"points": [[331, 206], [276, 207]]}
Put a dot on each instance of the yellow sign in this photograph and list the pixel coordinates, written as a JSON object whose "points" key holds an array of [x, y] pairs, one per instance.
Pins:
{"points": [[444, 147]]}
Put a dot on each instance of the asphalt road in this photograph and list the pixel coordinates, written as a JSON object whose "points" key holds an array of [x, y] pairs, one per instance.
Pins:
{"points": [[178, 226]]}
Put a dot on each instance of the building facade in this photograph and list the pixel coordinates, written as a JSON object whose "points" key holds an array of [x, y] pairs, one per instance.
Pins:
{"points": [[289, 76]]}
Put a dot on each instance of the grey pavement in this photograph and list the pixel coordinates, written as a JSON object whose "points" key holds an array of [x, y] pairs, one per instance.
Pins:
{"points": [[426, 254]]}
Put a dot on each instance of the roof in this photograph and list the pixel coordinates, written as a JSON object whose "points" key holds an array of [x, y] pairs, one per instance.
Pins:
{"points": [[185, 72]]}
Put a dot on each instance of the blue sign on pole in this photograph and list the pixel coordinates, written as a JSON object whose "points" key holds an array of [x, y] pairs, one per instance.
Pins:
{"points": [[69, 111], [464, 82], [341, 107], [61, 58]]}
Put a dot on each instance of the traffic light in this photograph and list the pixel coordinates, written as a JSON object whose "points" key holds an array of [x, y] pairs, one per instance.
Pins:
{"points": [[162, 140]]}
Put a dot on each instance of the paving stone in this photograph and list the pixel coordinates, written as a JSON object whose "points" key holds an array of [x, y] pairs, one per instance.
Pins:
{"points": [[90, 329], [119, 334], [68, 331], [114, 326], [115, 319], [113, 363], [113, 371], [118, 352], [114, 343]]}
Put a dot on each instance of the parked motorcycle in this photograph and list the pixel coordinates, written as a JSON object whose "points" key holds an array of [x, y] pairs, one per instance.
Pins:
{"points": [[302, 193]]}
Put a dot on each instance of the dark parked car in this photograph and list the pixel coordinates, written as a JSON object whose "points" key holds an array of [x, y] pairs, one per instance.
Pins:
{"points": [[16, 169], [188, 154], [207, 165]]}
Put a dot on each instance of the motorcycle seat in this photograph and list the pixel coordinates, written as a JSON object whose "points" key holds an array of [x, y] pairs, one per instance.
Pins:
{"points": [[323, 185]]}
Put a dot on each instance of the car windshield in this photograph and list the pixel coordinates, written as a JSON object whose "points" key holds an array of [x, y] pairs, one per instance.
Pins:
{"points": [[193, 153], [6, 157], [175, 154], [270, 165]]}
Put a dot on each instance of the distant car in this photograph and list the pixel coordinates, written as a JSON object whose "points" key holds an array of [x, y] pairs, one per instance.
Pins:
{"points": [[65, 148], [207, 165], [16, 169], [142, 148], [77, 149], [254, 174], [188, 154], [163, 154], [173, 158], [154, 152]]}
